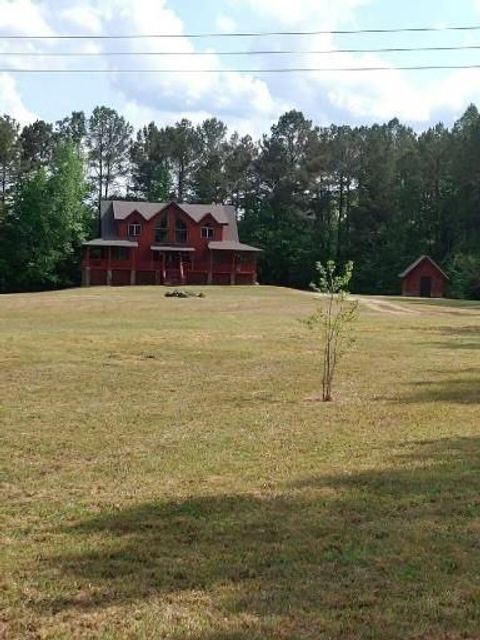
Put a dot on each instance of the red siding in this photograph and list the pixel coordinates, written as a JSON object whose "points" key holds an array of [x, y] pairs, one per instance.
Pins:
{"points": [[98, 277], [148, 264], [145, 277], [411, 283], [120, 277], [144, 257]]}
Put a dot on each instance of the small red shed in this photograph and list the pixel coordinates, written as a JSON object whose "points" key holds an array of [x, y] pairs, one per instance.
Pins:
{"points": [[424, 278]]}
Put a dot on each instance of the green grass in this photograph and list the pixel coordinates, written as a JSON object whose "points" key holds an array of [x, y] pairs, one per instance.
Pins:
{"points": [[165, 473]]}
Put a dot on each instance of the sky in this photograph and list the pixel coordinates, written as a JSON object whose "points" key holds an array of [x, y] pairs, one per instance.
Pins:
{"points": [[247, 101]]}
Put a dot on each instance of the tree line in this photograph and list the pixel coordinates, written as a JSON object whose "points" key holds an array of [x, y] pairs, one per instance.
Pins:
{"points": [[378, 195]]}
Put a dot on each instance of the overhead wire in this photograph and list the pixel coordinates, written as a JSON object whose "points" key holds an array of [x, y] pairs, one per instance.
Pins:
{"points": [[60, 54], [259, 70], [238, 34], [251, 52]]}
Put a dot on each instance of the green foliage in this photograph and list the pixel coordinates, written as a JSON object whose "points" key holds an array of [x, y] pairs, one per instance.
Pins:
{"points": [[9, 157], [46, 226], [333, 319], [37, 144], [464, 270]]}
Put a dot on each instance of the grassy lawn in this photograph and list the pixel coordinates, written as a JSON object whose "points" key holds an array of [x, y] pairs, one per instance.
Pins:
{"points": [[165, 473]]}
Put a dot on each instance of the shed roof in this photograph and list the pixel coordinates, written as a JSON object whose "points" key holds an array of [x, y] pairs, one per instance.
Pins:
{"points": [[102, 242], [230, 245], [177, 248], [417, 262]]}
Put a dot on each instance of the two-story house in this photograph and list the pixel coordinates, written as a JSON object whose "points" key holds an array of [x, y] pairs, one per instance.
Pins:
{"points": [[168, 243]]}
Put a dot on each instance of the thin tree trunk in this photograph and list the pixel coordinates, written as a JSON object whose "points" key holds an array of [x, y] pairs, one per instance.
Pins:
{"points": [[99, 203], [4, 181], [340, 219]]}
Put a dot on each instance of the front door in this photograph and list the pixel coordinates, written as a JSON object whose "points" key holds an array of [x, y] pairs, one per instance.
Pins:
{"points": [[172, 261], [425, 287], [172, 268]]}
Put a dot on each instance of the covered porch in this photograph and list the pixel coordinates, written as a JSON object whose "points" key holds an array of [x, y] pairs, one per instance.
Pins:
{"points": [[109, 262], [171, 264], [232, 263]]}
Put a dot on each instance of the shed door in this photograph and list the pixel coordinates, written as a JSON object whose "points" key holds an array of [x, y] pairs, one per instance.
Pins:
{"points": [[425, 287]]}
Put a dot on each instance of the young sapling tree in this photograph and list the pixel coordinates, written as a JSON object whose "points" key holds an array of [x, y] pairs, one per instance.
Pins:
{"points": [[333, 318]]}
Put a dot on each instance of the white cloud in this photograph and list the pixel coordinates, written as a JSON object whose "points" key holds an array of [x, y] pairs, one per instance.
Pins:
{"points": [[247, 101], [191, 89], [11, 102], [225, 24], [24, 17], [321, 14], [83, 17]]}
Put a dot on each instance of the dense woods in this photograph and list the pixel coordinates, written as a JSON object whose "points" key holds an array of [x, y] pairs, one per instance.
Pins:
{"points": [[378, 195]]}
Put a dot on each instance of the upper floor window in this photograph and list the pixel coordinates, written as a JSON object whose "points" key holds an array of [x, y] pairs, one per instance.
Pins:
{"points": [[161, 230], [180, 231], [207, 232], [134, 229]]}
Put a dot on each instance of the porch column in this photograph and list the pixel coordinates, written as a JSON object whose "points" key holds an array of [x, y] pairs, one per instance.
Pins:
{"points": [[109, 267], [86, 270], [164, 269], [232, 273], [210, 268], [133, 271], [180, 264]]}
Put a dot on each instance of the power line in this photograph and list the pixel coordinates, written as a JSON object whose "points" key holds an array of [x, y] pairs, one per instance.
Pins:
{"points": [[252, 71], [67, 54], [246, 34]]}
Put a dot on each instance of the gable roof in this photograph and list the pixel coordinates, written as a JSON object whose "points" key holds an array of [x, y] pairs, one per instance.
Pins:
{"points": [[120, 210], [418, 261], [221, 213]]}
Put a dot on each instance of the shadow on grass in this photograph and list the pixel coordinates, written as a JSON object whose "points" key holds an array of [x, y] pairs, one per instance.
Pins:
{"points": [[453, 391], [445, 304], [391, 553], [465, 337]]}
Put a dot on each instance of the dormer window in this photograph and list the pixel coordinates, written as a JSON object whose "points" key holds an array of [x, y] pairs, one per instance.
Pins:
{"points": [[207, 232], [134, 229]]}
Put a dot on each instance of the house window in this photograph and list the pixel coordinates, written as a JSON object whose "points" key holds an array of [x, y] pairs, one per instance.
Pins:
{"points": [[134, 229], [161, 230], [119, 254], [96, 253], [243, 258], [207, 232], [180, 231]]}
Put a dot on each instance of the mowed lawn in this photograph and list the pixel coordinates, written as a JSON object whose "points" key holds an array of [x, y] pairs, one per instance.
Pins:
{"points": [[166, 474]]}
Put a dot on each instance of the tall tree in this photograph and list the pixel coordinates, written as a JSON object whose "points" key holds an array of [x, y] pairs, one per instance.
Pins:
{"points": [[46, 226], [73, 128], [183, 145], [37, 143], [67, 188], [9, 155], [151, 167], [209, 183], [108, 143], [240, 175]]}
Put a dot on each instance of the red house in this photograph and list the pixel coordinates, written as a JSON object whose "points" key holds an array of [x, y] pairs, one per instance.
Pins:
{"points": [[168, 243], [424, 278]]}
